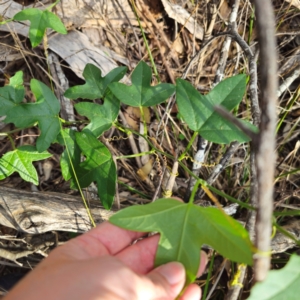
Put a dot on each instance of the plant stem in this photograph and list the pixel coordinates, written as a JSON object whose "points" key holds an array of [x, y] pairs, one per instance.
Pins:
{"points": [[135, 155], [188, 146], [208, 276], [76, 179], [195, 188], [146, 42], [133, 190], [144, 120], [10, 138]]}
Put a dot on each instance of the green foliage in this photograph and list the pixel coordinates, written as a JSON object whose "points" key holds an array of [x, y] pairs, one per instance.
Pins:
{"points": [[44, 111], [40, 20], [184, 228], [12, 94], [96, 85], [20, 160], [71, 155], [101, 116], [198, 110], [140, 93], [98, 166], [280, 284]]}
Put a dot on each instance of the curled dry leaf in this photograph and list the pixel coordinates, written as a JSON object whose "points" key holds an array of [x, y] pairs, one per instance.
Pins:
{"points": [[144, 171], [133, 116], [181, 16], [47, 169], [144, 146]]}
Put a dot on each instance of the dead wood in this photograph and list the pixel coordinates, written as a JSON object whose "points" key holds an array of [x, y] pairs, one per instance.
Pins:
{"points": [[38, 212]]}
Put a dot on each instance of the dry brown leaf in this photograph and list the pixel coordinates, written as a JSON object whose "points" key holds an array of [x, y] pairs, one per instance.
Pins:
{"points": [[133, 116], [90, 13], [295, 3], [144, 171], [143, 145], [224, 10], [180, 15], [47, 169], [178, 45]]}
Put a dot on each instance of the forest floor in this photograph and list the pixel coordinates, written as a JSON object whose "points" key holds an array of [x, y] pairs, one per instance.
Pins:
{"points": [[175, 34]]}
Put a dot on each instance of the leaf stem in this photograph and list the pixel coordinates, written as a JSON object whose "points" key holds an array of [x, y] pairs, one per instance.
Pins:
{"points": [[182, 156], [144, 120], [208, 276], [6, 21], [10, 139], [195, 188], [133, 190], [76, 179], [135, 155]]}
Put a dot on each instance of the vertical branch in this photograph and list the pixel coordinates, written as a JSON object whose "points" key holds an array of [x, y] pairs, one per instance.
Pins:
{"points": [[265, 150]]}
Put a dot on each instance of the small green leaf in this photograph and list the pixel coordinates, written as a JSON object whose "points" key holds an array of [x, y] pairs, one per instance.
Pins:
{"points": [[95, 86], [67, 138], [98, 166], [44, 111], [183, 229], [198, 110], [280, 284], [101, 116], [39, 22], [193, 107], [20, 160], [140, 93], [12, 94]]}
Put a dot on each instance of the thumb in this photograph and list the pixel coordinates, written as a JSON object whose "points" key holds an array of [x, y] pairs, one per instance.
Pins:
{"points": [[168, 280]]}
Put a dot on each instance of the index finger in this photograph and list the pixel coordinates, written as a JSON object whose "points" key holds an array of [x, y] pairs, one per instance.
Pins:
{"points": [[105, 239]]}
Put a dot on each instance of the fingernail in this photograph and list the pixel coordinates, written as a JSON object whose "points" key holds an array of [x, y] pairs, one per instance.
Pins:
{"points": [[174, 272]]}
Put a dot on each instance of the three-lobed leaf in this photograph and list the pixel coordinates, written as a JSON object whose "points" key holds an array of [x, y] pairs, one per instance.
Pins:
{"points": [[44, 111], [141, 93], [20, 160], [280, 284], [101, 116], [184, 228], [98, 166], [96, 85], [198, 110], [40, 20], [12, 94]]}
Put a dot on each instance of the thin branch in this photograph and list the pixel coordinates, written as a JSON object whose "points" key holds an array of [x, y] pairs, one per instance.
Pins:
{"points": [[265, 151]]}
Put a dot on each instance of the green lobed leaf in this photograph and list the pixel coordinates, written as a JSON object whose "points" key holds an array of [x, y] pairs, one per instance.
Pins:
{"points": [[12, 94], [67, 138], [96, 85], [140, 93], [101, 116], [98, 166], [44, 111], [39, 22], [20, 160], [280, 284], [183, 229], [198, 110]]}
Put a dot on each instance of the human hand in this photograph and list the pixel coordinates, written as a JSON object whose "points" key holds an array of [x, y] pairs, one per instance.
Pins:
{"points": [[104, 264]]}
